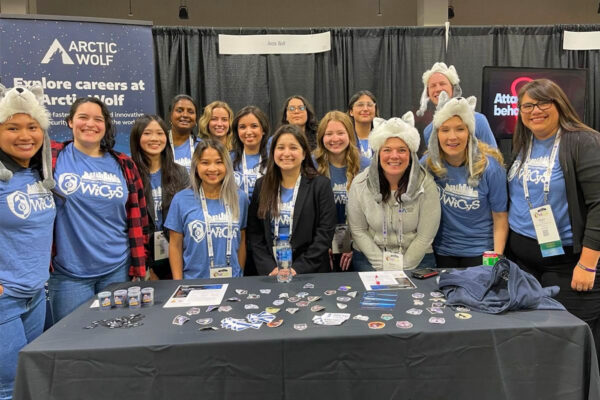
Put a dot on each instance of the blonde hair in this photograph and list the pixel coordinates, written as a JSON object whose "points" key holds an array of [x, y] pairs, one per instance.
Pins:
{"points": [[352, 156], [229, 189], [479, 166], [204, 120]]}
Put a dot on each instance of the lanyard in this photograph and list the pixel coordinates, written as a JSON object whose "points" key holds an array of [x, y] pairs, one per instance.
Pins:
{"points": [[368, 152], [547, 173], [385, 229], [209, 242], [280, 204], [191, 141], [246, 171]]}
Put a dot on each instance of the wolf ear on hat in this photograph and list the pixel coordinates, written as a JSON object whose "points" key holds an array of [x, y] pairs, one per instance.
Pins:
{"points": [[443, 98], [472, 102], [377, 121], [38, 92], [409, 118]]}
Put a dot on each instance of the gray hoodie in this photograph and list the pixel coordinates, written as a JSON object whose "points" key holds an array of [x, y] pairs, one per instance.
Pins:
{"points": [[420, 216]]}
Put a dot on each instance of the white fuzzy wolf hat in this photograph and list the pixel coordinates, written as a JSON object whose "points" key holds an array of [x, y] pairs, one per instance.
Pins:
{"points": [[402, 128], [28, 100], [448, 72], [465, 110]]}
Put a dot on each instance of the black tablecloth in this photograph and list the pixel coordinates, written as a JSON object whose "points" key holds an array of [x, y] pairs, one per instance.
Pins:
{"points": [[518, 355]]}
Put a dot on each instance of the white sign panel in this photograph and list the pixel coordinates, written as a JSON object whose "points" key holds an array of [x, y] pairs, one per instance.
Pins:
{"points": [[581, 40], [275, 44]]}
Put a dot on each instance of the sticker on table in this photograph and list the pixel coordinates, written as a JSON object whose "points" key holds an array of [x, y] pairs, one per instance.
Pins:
{"points": [[180, 320], [437, 320], [204, 321], [313, 298], [208, 328], [250, 306], [241, 292], [341, 306], [193, 311], [278, 302], [352, 294], [275, 323], [418, 295], [272, 310], [344, 299], [404, 324], [225, 308], [376, 325], [253, 296], [462, 309], [233, 299], [414, 311], [294, 299], [317, 308], [387, 317], [302, 303], [435, 310], [283, 295], [462, 315], [265, 291], [211, 308], [418, 302], [308, 286], [361, 317], [302, 294], [436, 294], [292, 310], [344, 288], [300, 327], [330, 292]]}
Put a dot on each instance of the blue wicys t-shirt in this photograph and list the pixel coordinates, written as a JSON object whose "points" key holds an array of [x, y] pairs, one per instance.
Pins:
{"points": [[285, 212], [91, 234], [186, 217], [519, 218], [27, 214], [156, 183], [183, 153], [466, 226], [246, 181], [339, 183]]}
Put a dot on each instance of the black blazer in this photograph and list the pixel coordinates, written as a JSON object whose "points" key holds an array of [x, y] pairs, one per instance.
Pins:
{"points": [[313, 228]]}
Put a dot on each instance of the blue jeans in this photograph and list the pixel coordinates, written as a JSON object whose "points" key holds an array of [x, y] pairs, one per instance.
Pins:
{"points": [[67, 293], [21, 321], [428, 261], [360, 262]]}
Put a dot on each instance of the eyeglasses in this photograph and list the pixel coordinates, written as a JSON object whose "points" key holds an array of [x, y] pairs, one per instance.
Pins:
{"points": [[543, 105], [294, 108], [363, 105]]}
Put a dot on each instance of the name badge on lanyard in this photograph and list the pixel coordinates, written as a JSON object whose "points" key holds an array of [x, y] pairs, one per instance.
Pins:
{"points": [[276, 220], [542, 217], [161, 246], [218, 271], [341, 239], [392, 260]]}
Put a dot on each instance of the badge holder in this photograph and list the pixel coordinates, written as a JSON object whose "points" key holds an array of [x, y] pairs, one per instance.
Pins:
{"points": [[546, 231], [161, 246], [221, 271], [392, 261], [341, 239]]}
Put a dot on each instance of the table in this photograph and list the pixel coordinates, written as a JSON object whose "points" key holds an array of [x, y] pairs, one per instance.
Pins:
{"points": [[518, 355]]}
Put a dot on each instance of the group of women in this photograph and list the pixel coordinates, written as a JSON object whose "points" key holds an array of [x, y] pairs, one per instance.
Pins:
{"points": [[350, 193]]}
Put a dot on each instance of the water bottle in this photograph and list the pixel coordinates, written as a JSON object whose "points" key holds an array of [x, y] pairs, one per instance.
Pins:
{"points": [[284, 259]]}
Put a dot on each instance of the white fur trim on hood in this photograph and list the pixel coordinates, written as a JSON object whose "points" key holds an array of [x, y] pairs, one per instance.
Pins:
{"points": [[448, 72], [446, 109], [28, 100], [402, 128]]}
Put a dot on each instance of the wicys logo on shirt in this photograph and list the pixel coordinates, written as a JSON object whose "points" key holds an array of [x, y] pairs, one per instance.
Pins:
{"points": [[36, 199], [219, 228], [96, 184]]}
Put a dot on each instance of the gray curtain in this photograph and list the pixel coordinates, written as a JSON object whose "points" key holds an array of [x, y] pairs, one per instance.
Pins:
{"points": [[388, 61]]}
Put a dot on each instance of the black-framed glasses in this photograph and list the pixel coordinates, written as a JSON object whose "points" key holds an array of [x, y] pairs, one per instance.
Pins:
{"points": [[294, 108], [527, 108]]}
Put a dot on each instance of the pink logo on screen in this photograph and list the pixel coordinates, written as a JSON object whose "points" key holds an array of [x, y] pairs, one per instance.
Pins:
{"points": [[514, 90]]}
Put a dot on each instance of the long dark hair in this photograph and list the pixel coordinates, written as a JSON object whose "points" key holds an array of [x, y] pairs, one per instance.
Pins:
{"points": [[267, 199], [171, 180], [108, 141], [310, 128], [238, 146], [546, 90], [355, 98], [384, 185]]}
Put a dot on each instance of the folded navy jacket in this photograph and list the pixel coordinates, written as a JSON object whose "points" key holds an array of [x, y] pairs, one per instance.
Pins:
{"points": [[503, 287]]}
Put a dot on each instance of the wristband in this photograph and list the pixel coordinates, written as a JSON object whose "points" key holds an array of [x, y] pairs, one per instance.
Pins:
{"points": [[583, 267]]}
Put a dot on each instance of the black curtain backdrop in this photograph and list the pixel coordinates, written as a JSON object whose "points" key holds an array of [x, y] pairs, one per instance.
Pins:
{"points": [[388, 61]]}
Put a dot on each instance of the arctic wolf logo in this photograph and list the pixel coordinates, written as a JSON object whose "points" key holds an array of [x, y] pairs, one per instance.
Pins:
{"points": [[55, 48]]}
